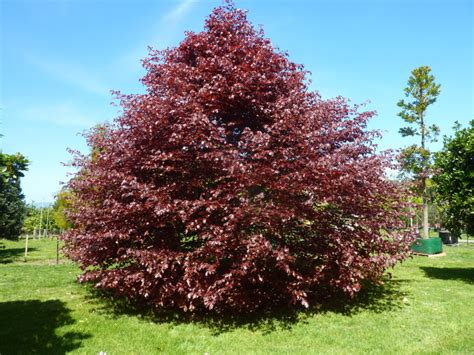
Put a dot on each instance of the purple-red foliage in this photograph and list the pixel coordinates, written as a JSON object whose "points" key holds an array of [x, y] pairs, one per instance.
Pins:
{"points": [[229, 186]]}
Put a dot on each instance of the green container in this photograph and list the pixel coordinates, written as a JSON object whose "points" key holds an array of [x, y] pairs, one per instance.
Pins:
{"points": [[428, 246]]}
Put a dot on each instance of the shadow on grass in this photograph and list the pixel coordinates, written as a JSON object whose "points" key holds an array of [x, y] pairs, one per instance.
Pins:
{"points": [[374, 299], [30, 327], [11, 255], [449, 273]]}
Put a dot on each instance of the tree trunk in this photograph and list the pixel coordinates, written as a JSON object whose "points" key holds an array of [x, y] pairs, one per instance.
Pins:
{"points": [[425, 164], [425, 211]]}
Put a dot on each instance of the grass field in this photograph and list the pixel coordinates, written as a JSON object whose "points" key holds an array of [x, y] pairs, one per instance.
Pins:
{"points": [[427, 307]]}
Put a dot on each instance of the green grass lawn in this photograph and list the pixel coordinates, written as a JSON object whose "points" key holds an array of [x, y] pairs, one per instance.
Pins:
{"points": [[427, 307]]}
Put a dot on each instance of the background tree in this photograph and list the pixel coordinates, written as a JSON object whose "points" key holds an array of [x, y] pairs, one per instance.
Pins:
{"points": [[416, 159], [32, 219], [61, 204], [50, 218], [229, 186], [12, 205], [40, 220], [455, 179]]}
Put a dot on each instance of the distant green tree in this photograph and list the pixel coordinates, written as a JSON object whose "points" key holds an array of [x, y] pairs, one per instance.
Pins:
{"points": [[32, 219], [421, 92], [40, 220], [12, 205], [62, 202], [455, 179]]}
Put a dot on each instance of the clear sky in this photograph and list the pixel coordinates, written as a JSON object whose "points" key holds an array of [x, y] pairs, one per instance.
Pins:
{"points": [[59, 59]]}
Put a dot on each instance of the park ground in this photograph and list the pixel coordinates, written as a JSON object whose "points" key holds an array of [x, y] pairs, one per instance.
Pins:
{"points": [[427, 307]]}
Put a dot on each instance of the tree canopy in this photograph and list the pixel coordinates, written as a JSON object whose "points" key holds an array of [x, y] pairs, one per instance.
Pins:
{"points": [[12, 205], [229, 186], [455, 179], [61, 204]]}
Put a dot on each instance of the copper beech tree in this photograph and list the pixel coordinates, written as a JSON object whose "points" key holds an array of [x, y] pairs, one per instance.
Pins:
{"points": [[229, 186]]}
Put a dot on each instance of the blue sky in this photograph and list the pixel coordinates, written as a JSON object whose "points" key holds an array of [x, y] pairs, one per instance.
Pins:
{"points": [[60, 59]]}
